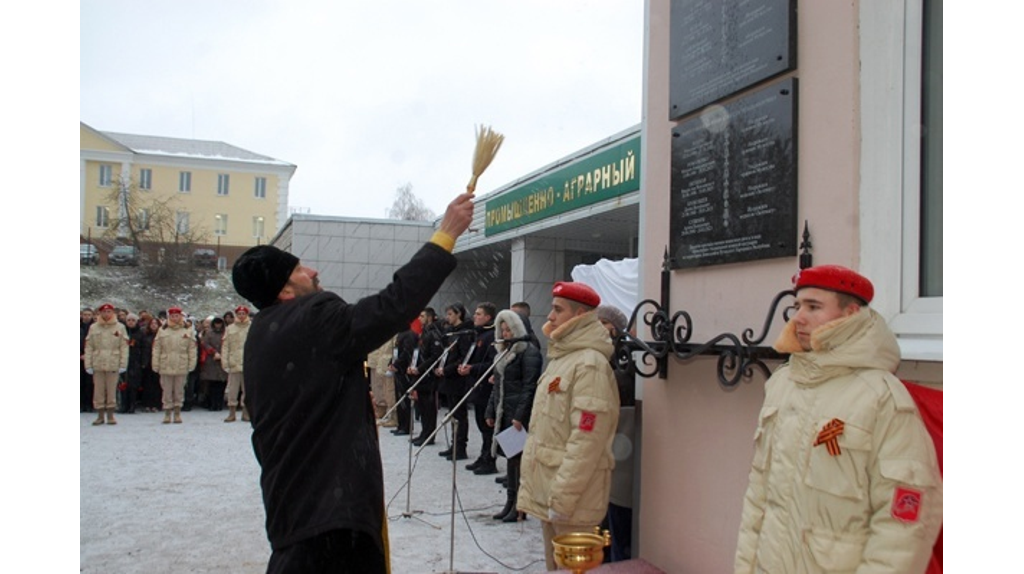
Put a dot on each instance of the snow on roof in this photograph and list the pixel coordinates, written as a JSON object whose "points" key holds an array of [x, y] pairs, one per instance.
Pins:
{"points": [[178, 147]]}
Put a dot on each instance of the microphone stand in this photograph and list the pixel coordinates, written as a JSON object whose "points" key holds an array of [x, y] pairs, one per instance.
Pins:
{"points": [[412, 424], [451, 412], [455, 465]]}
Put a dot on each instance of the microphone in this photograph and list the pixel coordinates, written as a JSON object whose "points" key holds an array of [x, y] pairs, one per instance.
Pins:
{"points": [[459, 333], [512, 340]]}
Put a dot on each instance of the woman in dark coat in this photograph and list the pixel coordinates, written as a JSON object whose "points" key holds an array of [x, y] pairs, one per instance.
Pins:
{"points": [[136, 357], [515, 376], [214, 377], [151, 392]]}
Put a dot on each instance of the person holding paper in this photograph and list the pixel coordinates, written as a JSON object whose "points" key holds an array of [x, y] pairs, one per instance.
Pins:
{"points": [[515, 377]]}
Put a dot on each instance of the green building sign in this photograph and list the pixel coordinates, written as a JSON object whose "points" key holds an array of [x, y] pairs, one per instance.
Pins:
{"points": [[606, 174]]}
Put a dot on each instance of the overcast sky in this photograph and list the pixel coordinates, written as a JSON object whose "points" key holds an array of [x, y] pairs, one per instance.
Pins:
{"points": [[363, 96]]}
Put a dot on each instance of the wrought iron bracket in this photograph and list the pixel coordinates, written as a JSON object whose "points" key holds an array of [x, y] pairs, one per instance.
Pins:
{"points": [[738, 355]]}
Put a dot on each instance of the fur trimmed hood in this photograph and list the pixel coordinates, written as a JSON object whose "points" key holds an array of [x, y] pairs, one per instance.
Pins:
{"points": [[518, 328], [860, 341]]}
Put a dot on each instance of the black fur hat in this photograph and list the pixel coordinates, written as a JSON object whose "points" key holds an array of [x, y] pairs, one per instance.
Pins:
{"points": [[261, 272]]}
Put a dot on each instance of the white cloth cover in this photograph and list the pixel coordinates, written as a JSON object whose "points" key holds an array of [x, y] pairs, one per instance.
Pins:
{"points": [[617, 282]]}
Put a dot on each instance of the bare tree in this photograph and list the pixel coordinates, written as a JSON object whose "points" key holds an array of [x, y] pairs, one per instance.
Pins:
{"points": [[156, 226], [408, 207]]}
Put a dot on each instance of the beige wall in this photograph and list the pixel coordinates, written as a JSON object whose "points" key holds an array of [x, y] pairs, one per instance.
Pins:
{"points": [[697, 436], [202, 203]]}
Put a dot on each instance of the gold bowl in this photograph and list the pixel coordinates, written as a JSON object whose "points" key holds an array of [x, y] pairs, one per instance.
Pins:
{"points": [[580, 551]]}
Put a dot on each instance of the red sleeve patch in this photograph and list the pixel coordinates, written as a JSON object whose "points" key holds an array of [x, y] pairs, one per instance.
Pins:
{"points": [[906, 504], [587, 421]]}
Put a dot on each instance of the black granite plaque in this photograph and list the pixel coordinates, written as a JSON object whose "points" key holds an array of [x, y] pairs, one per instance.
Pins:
{"points": [[719, 47], [734, 181]]}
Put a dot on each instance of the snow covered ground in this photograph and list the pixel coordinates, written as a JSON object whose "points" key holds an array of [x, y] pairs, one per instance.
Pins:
{"points": [[185, 497]]}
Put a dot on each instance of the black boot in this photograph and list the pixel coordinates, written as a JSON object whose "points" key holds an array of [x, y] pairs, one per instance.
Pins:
{"points": [[476, 463], [488, 466], [510, 506], [460, 454], [447, 453], [513, 514]]}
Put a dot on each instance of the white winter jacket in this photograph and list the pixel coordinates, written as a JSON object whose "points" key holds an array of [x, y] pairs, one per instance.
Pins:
{"points": [[567, 461], [232, 349], [106, 346], [174, 350], [869, 502]]}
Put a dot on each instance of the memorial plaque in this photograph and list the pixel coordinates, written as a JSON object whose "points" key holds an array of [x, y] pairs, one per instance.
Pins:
{"points": [[734, 181], [719, 47]]}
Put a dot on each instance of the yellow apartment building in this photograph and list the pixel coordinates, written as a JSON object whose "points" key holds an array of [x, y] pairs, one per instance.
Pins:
{"points": [[219, 196]]}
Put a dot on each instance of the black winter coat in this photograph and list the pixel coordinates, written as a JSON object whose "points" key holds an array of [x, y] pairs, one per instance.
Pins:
{"points": [[516, 388], [431, 344], [307, 391], [454, 385], [139, 355], [480, 363]]}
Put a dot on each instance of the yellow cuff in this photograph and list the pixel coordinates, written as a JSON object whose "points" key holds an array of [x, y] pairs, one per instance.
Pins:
{"points": [[443, 240]]}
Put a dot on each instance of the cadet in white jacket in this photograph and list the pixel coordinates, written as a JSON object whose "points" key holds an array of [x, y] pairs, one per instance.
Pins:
{"points": [[844, 476], [565, 474]]}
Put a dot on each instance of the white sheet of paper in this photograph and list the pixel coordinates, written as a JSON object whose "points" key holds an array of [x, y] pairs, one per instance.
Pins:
{"points": [[511, 441]]}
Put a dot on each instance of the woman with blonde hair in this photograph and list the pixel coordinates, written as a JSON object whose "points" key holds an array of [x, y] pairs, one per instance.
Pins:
{"points": [[515, 381]]}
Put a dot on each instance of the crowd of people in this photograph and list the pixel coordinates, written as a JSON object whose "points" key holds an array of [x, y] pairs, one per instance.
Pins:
{"points": [[868, 489], [141, 362], [316, 428], [490, 362]]}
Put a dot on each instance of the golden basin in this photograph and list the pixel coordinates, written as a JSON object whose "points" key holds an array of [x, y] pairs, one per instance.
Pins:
{"points": [[580, 551]]}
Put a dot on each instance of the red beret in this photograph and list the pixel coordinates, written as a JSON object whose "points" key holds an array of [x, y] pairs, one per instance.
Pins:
{"points": [[174, 310], [241, 308], [106, 307], [835, 278], [575, 291]]}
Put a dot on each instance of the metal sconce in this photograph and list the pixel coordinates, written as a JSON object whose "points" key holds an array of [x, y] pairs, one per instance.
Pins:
{"points": [[738, 355]]}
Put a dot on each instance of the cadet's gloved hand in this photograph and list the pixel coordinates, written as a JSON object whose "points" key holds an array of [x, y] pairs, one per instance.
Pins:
{"points": [[89, 371], [121, 371]]}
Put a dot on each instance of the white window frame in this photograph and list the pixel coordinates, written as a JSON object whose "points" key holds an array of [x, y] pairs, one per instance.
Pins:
{"points": [[181, 222], [106, 174], [890, 205], [184, 182], [258, 225], [220, 224], [146, 179], [102, 216], [143, 219], [260, 188], [223, 184]]}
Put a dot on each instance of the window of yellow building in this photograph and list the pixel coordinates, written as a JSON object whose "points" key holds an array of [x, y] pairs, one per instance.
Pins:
{"points": [[102, 216], [146, 179], [181, 222], [106, 174]]}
